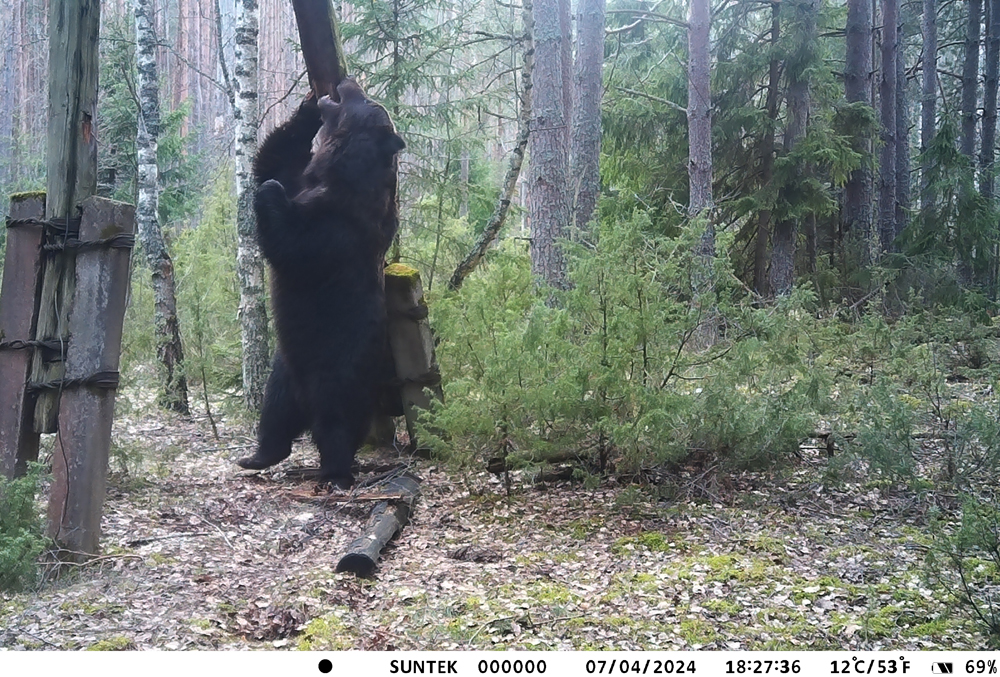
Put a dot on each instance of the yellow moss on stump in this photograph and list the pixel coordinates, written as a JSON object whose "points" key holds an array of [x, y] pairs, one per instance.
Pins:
{"points": [[27, 195], [403, 271]]}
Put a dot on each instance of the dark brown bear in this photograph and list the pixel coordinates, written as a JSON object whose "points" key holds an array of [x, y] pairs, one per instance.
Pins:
{"points": [[324, 222]]}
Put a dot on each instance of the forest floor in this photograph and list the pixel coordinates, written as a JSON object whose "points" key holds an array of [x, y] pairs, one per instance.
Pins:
{"points": [[198, 554]]}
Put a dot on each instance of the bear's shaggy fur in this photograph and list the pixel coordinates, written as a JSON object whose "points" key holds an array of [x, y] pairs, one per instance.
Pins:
{"points": [[324, 222]]}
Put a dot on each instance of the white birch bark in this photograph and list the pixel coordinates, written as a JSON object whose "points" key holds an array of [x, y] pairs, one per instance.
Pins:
{"points": [[249, 261], [168, 339]]}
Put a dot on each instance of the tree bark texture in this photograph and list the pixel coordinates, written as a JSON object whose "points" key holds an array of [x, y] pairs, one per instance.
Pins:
{"points": [[970, 78], [588, 89], [767, 156], [548, 184], [782, 274], [857, 217], [902, 139], [887, 99], [699, 117], [928, 91], [566, 50], [499, 215], [249, 261], [169, 350], [71, 172], [987, 153]]}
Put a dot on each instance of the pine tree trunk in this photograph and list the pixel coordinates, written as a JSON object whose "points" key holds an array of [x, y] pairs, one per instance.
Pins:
{"points": [[987, 153], [589, 86], [887, 99], [857, 219], [249, 262], [767, 156], [699, 117], [548, 185], [566, 49], [784, 240], [970, 79], [928, 98], [174, 393], [902, 139]]}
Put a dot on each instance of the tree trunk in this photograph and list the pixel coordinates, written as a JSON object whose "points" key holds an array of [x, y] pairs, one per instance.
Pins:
{"points": [[887, 157], [902, 139], [767, 156], [496, 221], [589, 86], [928, 98], [785, 236], [857, 217], [970, 79], [699, 117], [249, 262], [169, 350], [566, 50], [548, 185], [987, 153]]}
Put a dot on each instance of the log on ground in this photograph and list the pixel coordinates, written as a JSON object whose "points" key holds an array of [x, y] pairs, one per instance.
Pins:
{"points": [[387, 519]]}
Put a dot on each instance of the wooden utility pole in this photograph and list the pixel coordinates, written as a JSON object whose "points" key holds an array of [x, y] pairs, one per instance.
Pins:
{"points": [[71, 165]]}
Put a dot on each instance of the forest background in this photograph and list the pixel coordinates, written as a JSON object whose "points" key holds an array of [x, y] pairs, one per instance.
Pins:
{"points": [[740, 229]]}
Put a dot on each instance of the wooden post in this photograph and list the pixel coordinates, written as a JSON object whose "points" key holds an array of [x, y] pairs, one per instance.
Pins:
{"points": [[87, 396], [74, 26], [22, 276], [411, 342], [321, 47]]}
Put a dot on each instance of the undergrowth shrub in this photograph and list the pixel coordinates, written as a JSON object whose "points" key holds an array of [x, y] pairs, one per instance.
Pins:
{"points": [[21, 535], [608, 371], [967, 563]]}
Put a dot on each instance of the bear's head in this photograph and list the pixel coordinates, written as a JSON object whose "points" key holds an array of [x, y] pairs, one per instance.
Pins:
{"points": [[356, 113]]}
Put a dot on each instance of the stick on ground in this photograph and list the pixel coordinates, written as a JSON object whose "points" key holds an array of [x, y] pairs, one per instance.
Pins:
{"points": [[387, 519]]}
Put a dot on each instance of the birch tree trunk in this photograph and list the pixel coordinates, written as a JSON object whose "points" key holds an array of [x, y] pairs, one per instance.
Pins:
{"points": [[887, 99], [548, 184], [970, 79], [987, 153], [589, 86], [169, 350], [249, 262], [928, 91], [496, 221]]}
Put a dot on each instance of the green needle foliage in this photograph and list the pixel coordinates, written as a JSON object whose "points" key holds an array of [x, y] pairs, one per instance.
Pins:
{"points": [[21, 536]]}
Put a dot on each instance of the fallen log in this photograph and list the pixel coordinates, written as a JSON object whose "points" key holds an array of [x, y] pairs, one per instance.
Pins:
{"points": [[387, 519]]}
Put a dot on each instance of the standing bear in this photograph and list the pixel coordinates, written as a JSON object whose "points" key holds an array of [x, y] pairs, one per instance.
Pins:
{"points": [[325, 219]]}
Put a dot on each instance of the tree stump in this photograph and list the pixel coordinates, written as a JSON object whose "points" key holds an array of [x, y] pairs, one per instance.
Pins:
{"points": [[412, 343]]}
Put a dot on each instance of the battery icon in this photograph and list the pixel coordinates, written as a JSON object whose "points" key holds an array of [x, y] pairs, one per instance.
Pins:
{"points": [[942, 668]]}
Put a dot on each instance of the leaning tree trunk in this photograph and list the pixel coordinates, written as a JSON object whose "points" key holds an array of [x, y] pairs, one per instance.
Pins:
{"points": [[887, 157], [767, 156], [499, 215], [589, 86], [928, 93], [782, 275], [548, 200], [168, 336], [970, 79], [987, 152], [902, 140], [249, 262]]}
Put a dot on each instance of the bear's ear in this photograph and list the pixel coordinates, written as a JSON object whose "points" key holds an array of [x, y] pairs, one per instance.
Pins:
{"points": [[392, 143]]}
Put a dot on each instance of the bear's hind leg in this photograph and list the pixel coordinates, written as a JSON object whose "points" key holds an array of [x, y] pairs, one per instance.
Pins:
{"points": [[337, 441], [282, 419]]}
